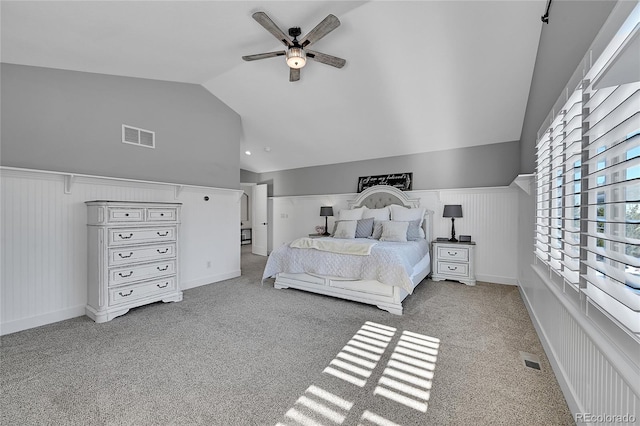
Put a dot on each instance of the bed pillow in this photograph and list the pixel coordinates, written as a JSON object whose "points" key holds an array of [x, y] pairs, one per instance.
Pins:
{"points": [[414, 231], [377, 228], [353, 214], [376, 214], [364, 228], [404, 214], [345, 229], [394, 231]]}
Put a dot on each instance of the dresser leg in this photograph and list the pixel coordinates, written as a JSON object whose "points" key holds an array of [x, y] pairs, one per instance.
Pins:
{"points": [[173, 298]]}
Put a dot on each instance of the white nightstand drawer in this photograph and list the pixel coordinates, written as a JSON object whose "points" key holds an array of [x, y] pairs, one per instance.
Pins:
{"points": [[126, 215], [141, 272], [133, 292], [451, 268], [453, 253], [158, 215]]}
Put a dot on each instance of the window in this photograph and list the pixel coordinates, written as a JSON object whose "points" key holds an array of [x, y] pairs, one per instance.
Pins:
{"points": [[588, 187]]}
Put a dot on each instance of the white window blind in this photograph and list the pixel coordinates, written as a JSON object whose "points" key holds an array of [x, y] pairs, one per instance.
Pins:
{"points": [[559, 190], [588, 188]]}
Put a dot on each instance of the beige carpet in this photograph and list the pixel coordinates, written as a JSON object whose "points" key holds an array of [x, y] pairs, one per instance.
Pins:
{"points": [[238, 353]]}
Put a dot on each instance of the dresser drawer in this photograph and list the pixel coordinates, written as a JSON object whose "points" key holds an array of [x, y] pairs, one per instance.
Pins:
{"points": [[119, 276], [451, 268], [147, 289], [159, 215], [136, 254], [125, 214], [142, 235], [453, 253]]}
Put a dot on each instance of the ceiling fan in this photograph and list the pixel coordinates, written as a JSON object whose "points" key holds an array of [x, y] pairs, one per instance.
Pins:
{"points": [[297, 51]]}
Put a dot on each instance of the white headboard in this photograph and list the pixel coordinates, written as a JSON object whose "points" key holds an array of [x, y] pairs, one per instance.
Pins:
{"points": [[379, 196]]}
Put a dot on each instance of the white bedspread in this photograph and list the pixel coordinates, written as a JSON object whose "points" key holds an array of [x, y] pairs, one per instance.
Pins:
{"points": [[335, 245], [389, 262]]}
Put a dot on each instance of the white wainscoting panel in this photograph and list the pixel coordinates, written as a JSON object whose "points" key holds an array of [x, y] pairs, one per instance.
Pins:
{"points": [[490, 217], [597, 376], [44, 239]]}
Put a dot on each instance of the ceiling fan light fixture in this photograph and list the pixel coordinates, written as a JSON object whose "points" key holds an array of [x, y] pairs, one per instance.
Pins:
{"points": [[296, 58]]}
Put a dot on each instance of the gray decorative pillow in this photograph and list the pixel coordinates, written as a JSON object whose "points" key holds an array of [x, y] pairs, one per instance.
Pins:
{"points": [[364, 228], [377, 228], [413, 231]]}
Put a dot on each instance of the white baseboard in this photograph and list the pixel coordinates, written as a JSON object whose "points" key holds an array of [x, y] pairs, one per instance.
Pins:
{"points": [[186, 285], [78, 311], [38, 320], [496, 279]]}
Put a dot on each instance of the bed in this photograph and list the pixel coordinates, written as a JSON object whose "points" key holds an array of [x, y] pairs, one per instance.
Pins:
{"points": [[380, 272]]}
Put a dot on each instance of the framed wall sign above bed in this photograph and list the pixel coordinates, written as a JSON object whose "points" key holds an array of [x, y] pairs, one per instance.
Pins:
{"points": [[381, 268], [402, 181]]}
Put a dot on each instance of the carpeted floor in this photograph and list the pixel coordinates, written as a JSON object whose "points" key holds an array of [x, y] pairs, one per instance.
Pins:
{"points": [[238, 353]]}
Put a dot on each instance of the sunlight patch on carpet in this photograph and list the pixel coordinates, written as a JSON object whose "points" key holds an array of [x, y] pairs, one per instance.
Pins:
{"points": [[406, 379]]}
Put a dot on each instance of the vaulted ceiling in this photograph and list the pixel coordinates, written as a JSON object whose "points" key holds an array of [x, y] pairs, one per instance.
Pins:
{"points": [[421, 76]]}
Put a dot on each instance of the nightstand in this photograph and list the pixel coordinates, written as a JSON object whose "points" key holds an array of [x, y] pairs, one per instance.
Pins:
{"points": [[454, 261]]}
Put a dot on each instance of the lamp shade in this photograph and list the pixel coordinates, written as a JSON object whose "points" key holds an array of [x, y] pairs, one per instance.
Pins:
{"points": [[452, 210], [326, 211]]}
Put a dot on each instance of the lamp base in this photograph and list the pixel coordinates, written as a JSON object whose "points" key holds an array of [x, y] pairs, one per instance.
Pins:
{"points": [[326, 227], [453, 238]]}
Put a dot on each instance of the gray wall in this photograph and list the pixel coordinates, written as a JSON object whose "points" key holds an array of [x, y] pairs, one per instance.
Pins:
{"points": [[247, 176], [71, 122], [563, 43], [487, 165]]}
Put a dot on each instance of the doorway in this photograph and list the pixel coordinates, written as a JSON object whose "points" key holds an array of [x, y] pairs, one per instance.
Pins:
{"points": [[253, 220]]}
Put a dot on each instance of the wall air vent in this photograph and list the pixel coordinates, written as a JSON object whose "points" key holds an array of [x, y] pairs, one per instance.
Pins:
{"points": [[136, 136]]}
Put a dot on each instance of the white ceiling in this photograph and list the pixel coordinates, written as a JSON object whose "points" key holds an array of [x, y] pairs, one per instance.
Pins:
{"points": [[421, 76]]}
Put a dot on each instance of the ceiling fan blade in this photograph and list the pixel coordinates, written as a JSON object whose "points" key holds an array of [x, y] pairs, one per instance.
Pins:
{"points": [[294, 74], [264, 55], [270, 26], [327, 25], [334, 61]]}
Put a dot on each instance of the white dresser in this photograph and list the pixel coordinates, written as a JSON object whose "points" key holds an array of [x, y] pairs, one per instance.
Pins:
{"points": [[133, 256], [454, 261]]}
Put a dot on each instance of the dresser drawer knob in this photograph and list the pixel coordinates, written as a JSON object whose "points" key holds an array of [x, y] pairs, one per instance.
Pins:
{"points": [[162, 252], [161, 214], [125, 238], [162, 235], [455, 253], [452, 268], [125, 295], [123, 256], [125, 276], [126, 214], [162, 269], [162, 286]]}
